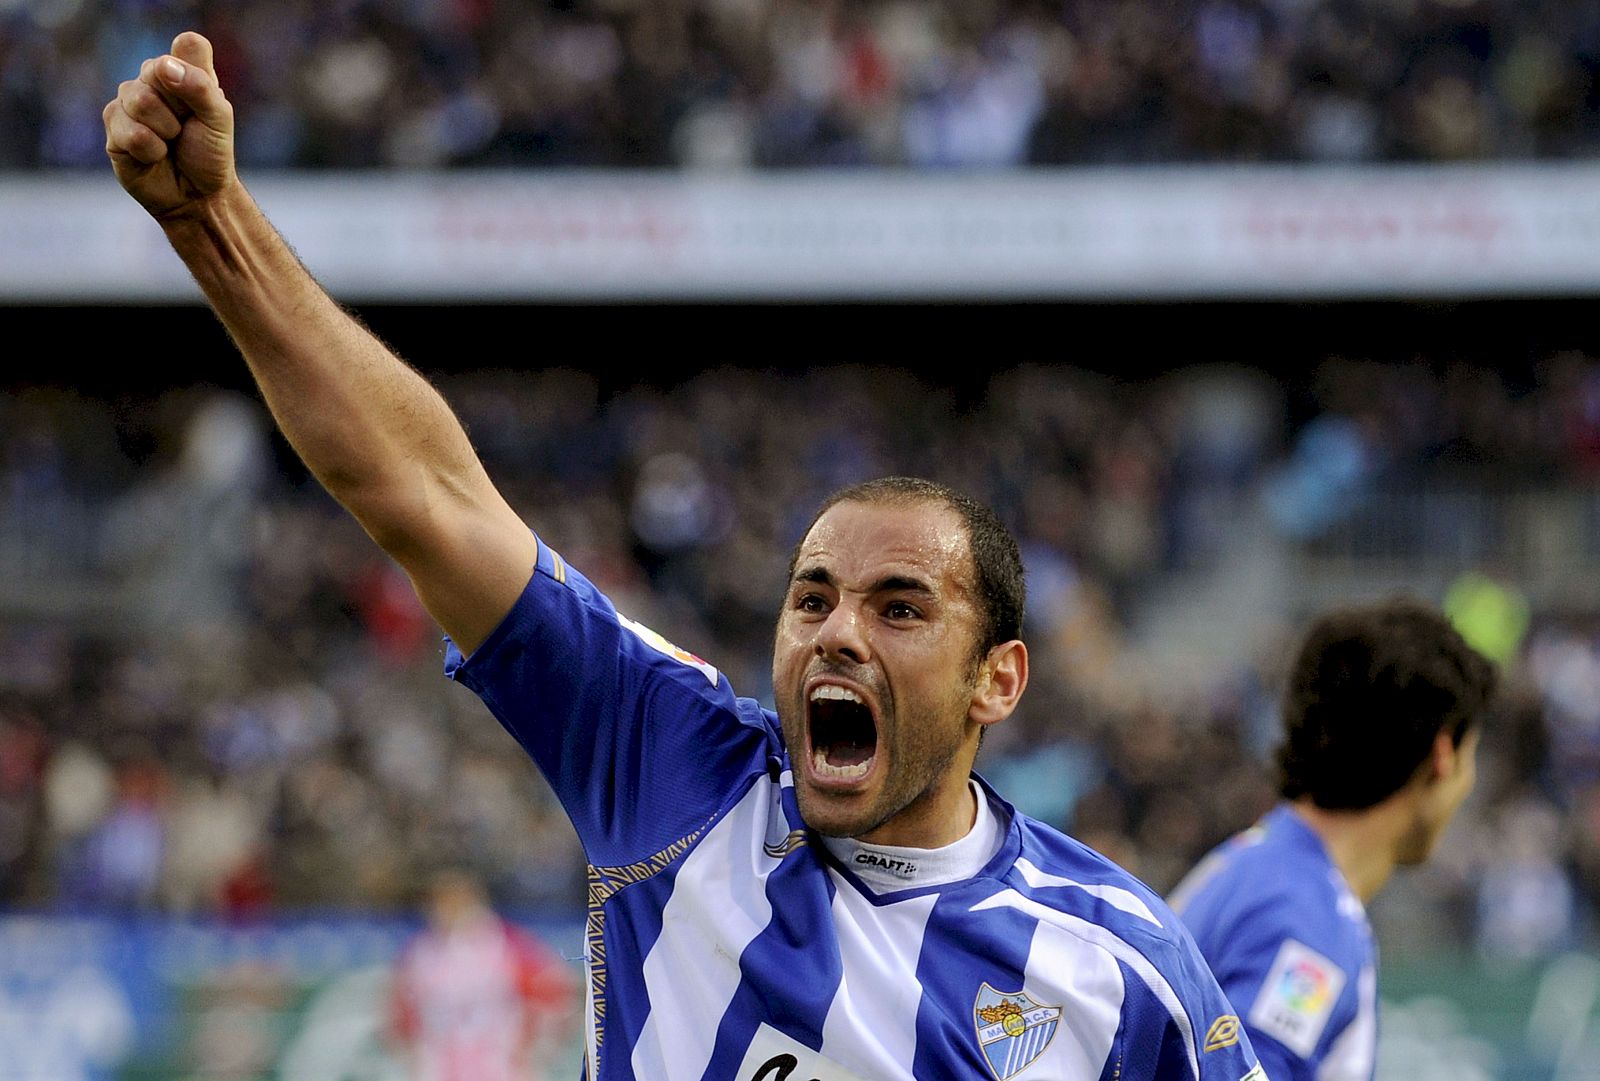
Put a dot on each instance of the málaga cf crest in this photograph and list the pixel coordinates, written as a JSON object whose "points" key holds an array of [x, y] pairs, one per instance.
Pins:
{"points": [[1013, 1030]]}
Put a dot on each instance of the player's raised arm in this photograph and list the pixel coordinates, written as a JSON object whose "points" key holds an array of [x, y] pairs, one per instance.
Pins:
{"points": [[372, 430]]}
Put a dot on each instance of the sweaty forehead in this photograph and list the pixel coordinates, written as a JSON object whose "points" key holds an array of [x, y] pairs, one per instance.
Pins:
{"points": [[862, 543]]}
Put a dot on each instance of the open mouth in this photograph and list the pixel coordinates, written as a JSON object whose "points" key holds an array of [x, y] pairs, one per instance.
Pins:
{"points": [[844, 737]]}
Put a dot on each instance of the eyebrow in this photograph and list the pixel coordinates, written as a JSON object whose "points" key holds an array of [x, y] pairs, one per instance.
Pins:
{"points": [[894, 583]]}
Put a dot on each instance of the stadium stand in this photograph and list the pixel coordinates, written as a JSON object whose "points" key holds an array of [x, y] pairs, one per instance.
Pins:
{"points": [[236, 727], [780, 83]]}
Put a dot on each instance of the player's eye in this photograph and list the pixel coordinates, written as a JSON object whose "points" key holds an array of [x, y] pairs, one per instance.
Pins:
{"points": [[811, 602], [900, 610]]}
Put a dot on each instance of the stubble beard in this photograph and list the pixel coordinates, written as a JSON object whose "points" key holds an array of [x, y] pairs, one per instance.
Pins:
{"points": [[913, 774]]}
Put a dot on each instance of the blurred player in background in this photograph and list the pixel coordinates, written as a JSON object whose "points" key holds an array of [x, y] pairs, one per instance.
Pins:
{"points": [[1382, 717], [475, 997], [825, 890]]}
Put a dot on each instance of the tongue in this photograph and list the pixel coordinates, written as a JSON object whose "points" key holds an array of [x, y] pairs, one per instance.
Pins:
{"points": [[847, 754]]}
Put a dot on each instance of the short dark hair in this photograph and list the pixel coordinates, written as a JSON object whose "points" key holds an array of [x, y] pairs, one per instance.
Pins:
{"points": [[1369, 690], [997, 562]]}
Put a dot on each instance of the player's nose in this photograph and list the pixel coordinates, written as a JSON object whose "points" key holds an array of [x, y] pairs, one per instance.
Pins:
{"points": [[843, 636]]}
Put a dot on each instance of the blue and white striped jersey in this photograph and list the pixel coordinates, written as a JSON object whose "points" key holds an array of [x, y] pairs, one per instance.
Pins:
{"points": [[723, 945], [1291, 945]]}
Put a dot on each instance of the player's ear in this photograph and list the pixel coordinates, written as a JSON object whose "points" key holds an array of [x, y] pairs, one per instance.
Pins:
{"points": [[1442, 758], [1002, 677]]}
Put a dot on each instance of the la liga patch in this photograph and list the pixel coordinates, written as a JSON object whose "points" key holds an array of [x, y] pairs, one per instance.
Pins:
{"points": [[660, 644], [1297, 998]]}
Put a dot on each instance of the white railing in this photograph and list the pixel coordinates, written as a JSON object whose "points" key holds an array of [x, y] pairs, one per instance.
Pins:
{"points": [[1156, 232]]}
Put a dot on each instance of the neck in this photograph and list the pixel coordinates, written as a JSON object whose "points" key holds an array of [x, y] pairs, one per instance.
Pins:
{"points": [[1362, 844], [941, 816]]}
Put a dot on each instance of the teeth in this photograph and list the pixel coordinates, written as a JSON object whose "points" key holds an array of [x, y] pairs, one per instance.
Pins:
{"points": [[824, 768], [829, 692]]}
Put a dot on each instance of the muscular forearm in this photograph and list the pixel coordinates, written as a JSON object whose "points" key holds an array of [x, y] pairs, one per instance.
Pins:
{"points": [[372, 430], [377, 436], [369, 427]]}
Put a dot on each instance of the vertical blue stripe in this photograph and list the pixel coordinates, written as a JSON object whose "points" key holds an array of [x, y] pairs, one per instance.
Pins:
{"points": [[1143, 1012], [636, 909], [790, 972], [970, 949]]}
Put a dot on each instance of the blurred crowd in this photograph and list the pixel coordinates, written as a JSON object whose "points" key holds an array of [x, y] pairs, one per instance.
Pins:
{"points": [[787, 83], [217, 696]]}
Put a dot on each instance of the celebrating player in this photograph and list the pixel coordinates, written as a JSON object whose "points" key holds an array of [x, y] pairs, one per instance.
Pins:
{"points": [[825, 892], [1381, 718]]}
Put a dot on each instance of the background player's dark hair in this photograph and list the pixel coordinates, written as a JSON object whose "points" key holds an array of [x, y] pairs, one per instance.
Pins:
{"points": [[1368, 691], [996, 559]]}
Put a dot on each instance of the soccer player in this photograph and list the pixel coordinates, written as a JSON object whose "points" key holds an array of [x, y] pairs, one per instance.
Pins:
{"points": [[823, 893], [475, 997], [1382, 717]]}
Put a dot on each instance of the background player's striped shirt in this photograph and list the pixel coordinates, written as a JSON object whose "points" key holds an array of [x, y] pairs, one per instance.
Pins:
{"points": [[1291, 946], [723, 944]]}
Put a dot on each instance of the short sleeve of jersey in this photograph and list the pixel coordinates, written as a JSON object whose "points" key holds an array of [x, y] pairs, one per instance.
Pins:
{"points": [[642, 741], [1110, 953], [1179, 1024], [1287, 960]]}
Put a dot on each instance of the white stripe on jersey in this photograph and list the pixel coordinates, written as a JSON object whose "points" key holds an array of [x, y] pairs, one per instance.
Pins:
{"points": [[1116, 896], [872, 1021], [718, 905], [1059, 957], [1100, 936]]}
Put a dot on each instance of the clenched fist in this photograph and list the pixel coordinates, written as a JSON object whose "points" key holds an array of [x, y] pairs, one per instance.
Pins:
{"points": [[169, 132]]}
